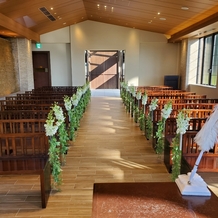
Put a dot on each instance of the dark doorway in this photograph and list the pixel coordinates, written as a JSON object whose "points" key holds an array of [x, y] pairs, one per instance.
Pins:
{"points": [[103, 69], [41, 69]]}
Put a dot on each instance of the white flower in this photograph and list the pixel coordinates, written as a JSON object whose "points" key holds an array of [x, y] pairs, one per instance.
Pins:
{"points": [[134, 94], [79, 93], [153, 104], [166, 111], [144, 99], [50, 128], [182, 122], [138, 95], [74, 100], [67, 103], [58, 113]]}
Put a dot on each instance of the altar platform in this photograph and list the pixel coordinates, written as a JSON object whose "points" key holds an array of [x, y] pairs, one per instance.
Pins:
{"points": [[149, 200]]}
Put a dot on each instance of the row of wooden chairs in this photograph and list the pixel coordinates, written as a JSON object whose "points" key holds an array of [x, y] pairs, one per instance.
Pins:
{"points": [[198, 108], [23, 143]]}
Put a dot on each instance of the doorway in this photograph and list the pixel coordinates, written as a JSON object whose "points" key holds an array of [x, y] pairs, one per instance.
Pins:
{"points": [[102, 69], [41, 68]]}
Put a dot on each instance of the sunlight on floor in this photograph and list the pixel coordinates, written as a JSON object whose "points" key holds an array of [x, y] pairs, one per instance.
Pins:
{"points": [[115, 156]]}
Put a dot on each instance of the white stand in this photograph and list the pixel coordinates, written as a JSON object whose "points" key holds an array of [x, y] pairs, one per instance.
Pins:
{"points": [[197, 187]]}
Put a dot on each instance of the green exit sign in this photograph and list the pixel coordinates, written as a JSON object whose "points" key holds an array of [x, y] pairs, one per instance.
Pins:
{"points": [[38, 45]]}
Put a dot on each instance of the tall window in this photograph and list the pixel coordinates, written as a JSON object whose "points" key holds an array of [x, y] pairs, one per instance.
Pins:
{"points": [[208, 60]]}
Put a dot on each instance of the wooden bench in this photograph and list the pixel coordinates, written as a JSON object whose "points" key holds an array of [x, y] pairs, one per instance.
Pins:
{"points": [[192, 113], [190, 152], [24, 114], [24, 150], [190, 149]]}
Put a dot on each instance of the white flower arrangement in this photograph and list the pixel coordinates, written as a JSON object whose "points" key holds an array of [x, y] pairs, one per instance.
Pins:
{"points": [[54, 120], [138, 95], [79, 93], [74, 100], [166, 111], [153, 104], [84, 88], [50, 128], [67, 103], [144, 99], [58, 113], [182, 122]]}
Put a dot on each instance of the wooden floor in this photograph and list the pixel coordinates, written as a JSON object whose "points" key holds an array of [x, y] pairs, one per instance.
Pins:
{"points": [[109, 148]]}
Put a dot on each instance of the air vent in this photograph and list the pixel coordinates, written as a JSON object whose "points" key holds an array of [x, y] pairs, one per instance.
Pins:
{"points": [[47, 13]]}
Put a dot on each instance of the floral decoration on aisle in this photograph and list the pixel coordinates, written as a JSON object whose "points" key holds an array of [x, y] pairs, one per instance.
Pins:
{"points": [[149, 118], [59, 134], [182, 123], [165, 113], [137, 107], [52, 128], [132, 99]]}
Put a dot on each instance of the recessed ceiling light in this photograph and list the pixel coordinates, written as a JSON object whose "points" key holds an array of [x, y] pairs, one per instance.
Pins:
{"points": [[162, 18], [51, 8], [158, 13], [184, 8]]}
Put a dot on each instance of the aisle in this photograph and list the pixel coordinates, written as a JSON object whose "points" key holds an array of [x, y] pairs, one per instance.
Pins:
{"points": [[109, 148]]}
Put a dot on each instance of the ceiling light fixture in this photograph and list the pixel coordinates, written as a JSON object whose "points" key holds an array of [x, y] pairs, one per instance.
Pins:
{"points": [[158, 13], [162, 18], [184, 8]]}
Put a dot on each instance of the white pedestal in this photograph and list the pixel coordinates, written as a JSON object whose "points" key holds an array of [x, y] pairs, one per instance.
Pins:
{"points": [[197, 187]]}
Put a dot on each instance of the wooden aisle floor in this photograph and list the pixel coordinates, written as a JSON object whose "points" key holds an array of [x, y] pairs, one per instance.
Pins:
{"points": [[109, 148]]}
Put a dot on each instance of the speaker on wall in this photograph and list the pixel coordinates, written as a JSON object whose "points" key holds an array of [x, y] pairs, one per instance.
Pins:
{"points": [[172, 81]]}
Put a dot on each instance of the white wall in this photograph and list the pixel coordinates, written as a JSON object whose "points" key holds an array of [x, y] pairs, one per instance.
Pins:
{"points": [[211, 92], [148, 55], [138, 45], [157, 59], [58, 36], [60, 61]]}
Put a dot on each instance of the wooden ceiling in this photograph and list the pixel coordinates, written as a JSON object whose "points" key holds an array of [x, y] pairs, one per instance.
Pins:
{"points": [[176, 19]]}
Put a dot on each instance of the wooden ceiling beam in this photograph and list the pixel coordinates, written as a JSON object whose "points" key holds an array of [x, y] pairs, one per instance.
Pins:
{"points": [[197, 26], [10, 24]]}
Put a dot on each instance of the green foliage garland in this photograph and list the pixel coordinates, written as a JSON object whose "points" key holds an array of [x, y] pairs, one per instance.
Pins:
{"points": [[176, 157], [159, 136], [63, 138], [148, 125], [54, 159], [141, 120]]}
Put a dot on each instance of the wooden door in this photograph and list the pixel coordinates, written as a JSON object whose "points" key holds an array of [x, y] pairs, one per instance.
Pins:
{"points": [[103, 72], [41, 69]]}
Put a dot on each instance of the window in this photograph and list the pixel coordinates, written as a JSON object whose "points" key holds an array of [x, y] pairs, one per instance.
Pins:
{"points": [[208, 60]]}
